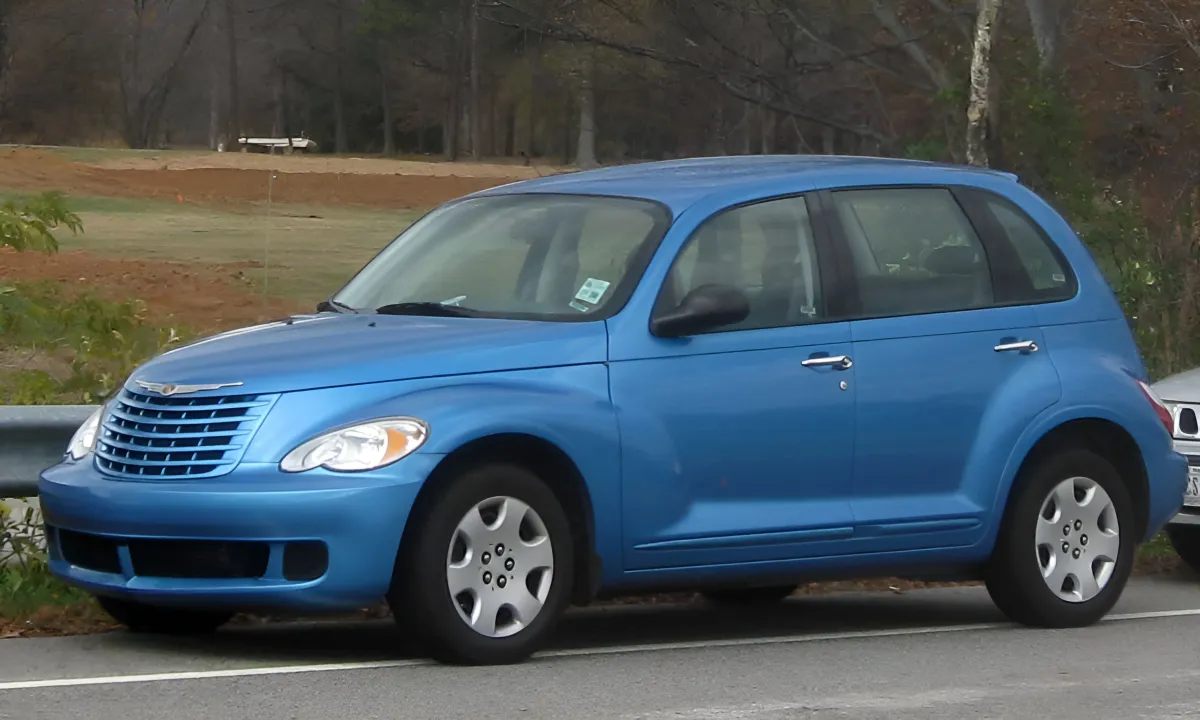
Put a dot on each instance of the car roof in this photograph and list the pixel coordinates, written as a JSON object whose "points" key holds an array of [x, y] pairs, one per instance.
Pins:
{"points": [[681, 183]]}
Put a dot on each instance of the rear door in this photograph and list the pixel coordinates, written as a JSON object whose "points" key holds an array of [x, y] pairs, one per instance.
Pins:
{"points": [[950, 364]]}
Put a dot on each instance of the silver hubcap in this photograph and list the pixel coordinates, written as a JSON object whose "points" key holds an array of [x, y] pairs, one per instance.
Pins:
{"points": [[1078, 539], [500, 566]]}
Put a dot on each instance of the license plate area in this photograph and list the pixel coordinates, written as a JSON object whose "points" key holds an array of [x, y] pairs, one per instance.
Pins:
{"points": [[1191, 496]]}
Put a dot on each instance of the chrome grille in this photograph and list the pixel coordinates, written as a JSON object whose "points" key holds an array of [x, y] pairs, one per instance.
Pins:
{"points": [[148, 437]]}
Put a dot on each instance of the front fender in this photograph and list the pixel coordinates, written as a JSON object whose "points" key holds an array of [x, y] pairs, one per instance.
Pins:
{"points": [[566, 406]]}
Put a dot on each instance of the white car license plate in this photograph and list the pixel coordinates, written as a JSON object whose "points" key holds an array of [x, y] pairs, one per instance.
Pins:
{"points": [[1191, 496]]}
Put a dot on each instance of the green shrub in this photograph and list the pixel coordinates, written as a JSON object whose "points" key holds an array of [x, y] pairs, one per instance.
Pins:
{"points": [[58, 346], [31, 225]]}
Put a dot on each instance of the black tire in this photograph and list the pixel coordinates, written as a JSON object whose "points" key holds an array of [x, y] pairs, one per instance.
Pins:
{"points": [[1185, 539], [748, 596], [156, 620], [1013, 577], [420, 595]]}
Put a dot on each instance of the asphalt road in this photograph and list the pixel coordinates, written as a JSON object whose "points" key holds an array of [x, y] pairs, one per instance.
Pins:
{"points": [[933, 654]]}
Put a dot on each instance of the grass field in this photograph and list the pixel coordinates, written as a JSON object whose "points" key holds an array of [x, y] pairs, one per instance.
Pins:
{"points": [[221, 240], [295, 252]]}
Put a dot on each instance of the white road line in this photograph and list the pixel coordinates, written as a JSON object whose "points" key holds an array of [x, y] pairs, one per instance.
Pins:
{"points": [[208, 674], [581, 652]]}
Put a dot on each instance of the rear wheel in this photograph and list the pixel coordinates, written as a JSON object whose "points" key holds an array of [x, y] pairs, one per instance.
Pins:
{"points": [[736, 597], [152, 619], [1066, 543], [1185, 539], [489, 569]]}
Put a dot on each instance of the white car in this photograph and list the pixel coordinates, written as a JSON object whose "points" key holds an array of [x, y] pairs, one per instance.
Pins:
{"points": [[1181, 395]]}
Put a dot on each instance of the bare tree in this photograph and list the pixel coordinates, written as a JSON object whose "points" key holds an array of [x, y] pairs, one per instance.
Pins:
{"points": [[1048, 19], [475, 110], [158, 33], [585, 149], [234, 128], [981, 70]]}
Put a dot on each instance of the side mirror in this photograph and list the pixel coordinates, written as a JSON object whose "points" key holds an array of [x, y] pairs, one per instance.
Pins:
{"points": [[705, 308]]}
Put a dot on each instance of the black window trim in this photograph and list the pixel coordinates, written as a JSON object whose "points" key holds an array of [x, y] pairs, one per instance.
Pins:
{"points": [[974, 202], [829, 281], [999, 252]]}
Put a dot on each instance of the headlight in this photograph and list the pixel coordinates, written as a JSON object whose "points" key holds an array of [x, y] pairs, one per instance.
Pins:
{"points": [[83, 442], [366, 446]]}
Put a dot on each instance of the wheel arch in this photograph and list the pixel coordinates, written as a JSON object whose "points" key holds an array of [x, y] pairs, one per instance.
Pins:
{"points": [[553, 466], [1105, 438]]}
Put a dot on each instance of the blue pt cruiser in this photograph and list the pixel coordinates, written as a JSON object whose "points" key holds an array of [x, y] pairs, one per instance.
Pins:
{"points": [[727, 374]]}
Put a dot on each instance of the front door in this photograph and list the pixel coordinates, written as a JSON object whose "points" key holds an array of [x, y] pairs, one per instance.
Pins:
{"points": [[738, 443], [949, 369]]}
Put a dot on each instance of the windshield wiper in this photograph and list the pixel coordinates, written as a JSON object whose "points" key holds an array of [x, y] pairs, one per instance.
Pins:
{"points": [[426, 308], [335, 306]]}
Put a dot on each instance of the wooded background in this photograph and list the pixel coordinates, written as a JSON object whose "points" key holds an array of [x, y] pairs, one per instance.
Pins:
{"points": [[1093, 103]]}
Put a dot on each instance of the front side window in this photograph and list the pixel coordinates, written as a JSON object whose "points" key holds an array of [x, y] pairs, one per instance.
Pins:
{"points": [[531, 256], [764, 250], [914, 251]]}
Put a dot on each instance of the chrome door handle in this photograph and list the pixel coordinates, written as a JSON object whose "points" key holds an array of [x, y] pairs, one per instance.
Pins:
{"points": [[1023, 346], [838, 362]]}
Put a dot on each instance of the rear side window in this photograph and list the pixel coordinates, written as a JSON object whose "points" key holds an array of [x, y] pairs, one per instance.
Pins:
{"points": [[914, 251], [1046, 275]]}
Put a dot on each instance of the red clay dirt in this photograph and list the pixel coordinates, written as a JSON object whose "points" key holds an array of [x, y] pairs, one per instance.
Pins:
{"points": [[207, 297], [199, 297], [297, 180]]}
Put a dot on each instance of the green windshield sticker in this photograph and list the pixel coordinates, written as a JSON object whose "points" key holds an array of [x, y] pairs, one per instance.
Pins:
{"points": [[592, 290]]}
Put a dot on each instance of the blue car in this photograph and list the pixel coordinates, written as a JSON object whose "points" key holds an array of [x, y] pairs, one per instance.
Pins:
{"points": [[733, 375]]}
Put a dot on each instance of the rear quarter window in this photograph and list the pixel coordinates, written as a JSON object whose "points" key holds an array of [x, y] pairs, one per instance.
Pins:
{"points": [[1048, 275]]}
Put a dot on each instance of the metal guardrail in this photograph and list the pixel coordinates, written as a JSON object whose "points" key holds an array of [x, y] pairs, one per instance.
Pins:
{"points": [[32, 438]]}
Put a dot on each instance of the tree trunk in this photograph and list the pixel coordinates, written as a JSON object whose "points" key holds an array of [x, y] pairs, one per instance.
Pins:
{"points": [[981, 59], [214, 92], [568, 115], [341, 141], [234, 129], [389, 130], [768, 131], [510, 135], [279, 126], [535, 74], [585, 150], [1046, 18], [747, 127], [476, 121], [450, 126], [214, 109], [888, 14], [829, 141]]}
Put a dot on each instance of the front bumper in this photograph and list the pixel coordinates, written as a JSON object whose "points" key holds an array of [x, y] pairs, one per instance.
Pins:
{"points": [[254, 539], [1188, 514]]}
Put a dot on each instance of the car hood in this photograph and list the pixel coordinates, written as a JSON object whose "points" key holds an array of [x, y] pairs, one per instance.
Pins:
{"points": [[1182, 387], [327, 350]]}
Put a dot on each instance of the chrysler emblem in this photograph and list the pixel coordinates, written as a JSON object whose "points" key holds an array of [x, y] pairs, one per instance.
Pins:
{"points": [[169, 389]]}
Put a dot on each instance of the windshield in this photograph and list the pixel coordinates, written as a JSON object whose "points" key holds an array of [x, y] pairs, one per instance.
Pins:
{"points": [[532, 256]]}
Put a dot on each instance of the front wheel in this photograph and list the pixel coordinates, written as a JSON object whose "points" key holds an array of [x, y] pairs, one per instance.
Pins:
{"points": [[152, 619], [1066, 543], [488, 573]]}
